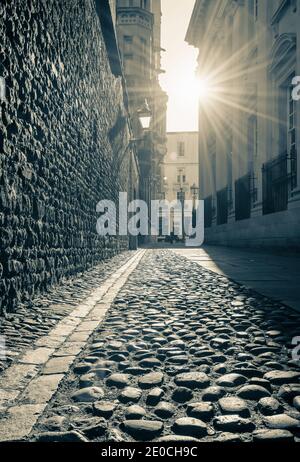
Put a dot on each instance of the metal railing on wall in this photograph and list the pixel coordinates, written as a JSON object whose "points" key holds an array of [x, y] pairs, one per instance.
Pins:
{"points": [[275, 184], [294, 167]]}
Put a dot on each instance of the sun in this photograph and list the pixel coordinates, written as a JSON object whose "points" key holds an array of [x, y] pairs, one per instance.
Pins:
{"points": [[190, 87], [204, 89]]}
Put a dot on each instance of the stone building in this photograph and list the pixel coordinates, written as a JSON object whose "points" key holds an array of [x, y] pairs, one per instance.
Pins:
{"points": [[64, 141], [249, 53], [180, 165], [138, 27], [180, 168]]}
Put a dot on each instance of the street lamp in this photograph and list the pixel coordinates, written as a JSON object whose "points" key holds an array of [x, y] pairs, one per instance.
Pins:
{"points": [[144, 114], [181, 198], [194, 191]]}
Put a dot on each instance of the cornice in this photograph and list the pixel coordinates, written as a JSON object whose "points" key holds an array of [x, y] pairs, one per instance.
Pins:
{"points": [[131, 15], [221, 10], [198, 14]]}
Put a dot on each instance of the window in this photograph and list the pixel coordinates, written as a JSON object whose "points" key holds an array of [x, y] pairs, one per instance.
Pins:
{"points": [[255, 9], [252, 16], [252, 141], [180, 195], [180, 149], [128, 58], [291, 119], [292, 135], [181, 177], [208, 212], [143, 56], [243, 198], [214, 169], [212, 160], [128, 39], [229, 169], [222, 206], [252, 157]]}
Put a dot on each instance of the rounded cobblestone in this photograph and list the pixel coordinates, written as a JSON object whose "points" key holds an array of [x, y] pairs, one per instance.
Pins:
{"points": [[232, 405], [143, 430], [193, 380], [183, 354], [190, 426]]}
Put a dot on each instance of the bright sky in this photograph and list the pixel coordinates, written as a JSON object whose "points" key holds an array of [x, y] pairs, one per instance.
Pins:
{"points": [[179, 62]]}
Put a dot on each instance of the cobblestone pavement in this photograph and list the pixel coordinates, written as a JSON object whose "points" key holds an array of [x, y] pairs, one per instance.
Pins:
{"points": [[36, 317], [183, 353]]}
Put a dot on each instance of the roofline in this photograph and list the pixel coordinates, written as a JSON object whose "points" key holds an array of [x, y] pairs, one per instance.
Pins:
{"points": [[200, 13], [189, 34], [104, 13]]}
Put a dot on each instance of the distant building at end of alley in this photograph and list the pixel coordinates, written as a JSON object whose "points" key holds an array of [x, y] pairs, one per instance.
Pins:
{"points": [[181, 166]]}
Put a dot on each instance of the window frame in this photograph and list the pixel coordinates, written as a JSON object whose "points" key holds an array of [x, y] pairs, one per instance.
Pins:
{"points": [[292, 133], [180, 149]]}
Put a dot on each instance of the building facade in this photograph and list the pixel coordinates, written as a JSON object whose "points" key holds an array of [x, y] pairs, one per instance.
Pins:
{"points": [[180, 165], [181, 168], [249, 170], [138, 29]]}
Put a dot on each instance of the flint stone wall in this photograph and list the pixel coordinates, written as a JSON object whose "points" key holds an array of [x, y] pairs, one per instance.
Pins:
{"points": [[56, 157]]}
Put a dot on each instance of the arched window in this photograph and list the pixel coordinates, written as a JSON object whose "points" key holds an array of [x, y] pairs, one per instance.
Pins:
{"points": [[283, 55], [282, 70]]}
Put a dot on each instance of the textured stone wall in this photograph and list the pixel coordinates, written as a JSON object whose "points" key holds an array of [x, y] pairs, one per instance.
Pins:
{"points": [[57, 159]]}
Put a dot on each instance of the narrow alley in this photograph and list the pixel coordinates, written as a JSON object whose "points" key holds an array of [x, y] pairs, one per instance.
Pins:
{"points": [[149, 226]]}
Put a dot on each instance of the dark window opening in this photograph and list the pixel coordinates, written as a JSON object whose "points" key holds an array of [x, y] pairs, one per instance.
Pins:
{"points": [[222, 206], [275, 185], [243, 198], [208, 212]]}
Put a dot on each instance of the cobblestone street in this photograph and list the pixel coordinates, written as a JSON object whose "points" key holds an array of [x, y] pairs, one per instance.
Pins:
{"points": [[37, 316], [182, 353]]}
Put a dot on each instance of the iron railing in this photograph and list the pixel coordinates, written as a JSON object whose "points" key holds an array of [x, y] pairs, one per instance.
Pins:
{"points": [[294, 182], [253, 188], [222, 206], [243, 197], [275, 185], [230, 198]]}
